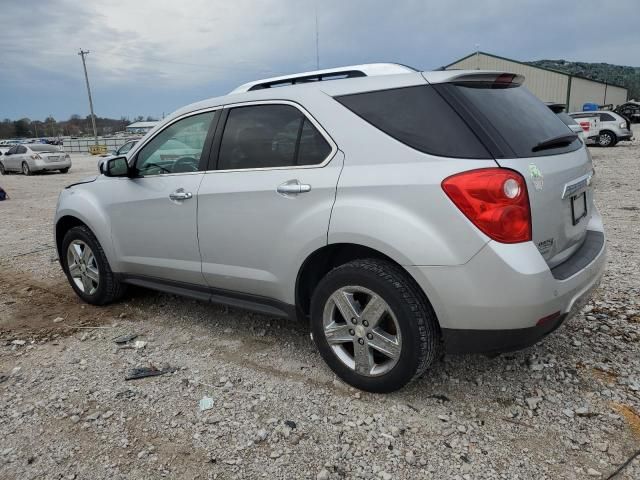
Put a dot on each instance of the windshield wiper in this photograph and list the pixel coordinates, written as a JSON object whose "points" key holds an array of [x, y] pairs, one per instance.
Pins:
{"points": [[559, 141]]}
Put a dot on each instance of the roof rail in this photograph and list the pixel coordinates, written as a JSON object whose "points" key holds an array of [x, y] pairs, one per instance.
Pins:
{"points": [[352, 71]]}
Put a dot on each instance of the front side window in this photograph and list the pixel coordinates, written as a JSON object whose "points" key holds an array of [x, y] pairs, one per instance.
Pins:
{"points": [[270, 136], [177, 148]]}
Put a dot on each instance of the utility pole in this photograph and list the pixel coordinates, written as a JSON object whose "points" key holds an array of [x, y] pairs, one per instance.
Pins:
{"points": [[82, 53]]}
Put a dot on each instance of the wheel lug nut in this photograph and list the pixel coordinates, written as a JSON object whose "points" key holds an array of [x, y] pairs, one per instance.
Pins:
{"points": [[370, 336], [361, 341], [354, 320], [365, 323], [352, 332]]}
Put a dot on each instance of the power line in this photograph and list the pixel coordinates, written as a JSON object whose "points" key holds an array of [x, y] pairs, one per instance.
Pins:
{"points": [[82, 53]]}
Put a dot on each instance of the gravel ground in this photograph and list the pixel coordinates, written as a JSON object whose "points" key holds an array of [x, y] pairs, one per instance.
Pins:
{"points": [[565, 408]]}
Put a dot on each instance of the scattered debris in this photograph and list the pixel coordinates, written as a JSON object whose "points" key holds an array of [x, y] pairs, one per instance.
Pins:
{"points": [[291, 424], [19, 342], [138, 344], [3, 378], [439, 396], [143, 372], [122, 339], [58, 320], [206, 403]]}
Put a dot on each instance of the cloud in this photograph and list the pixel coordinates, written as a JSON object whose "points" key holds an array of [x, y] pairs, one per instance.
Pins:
{"points": [[149, 56]]}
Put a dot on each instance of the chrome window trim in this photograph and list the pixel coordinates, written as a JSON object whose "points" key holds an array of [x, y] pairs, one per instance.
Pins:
{"points": [[307, 115], [131, 154]]}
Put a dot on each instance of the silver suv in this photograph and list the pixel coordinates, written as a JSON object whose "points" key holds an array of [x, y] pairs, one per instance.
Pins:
{"points": [[402, 213]]}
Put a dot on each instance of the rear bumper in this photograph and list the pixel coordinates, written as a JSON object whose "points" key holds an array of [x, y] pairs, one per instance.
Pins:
{"points": [[41, 165], [506, 297]]}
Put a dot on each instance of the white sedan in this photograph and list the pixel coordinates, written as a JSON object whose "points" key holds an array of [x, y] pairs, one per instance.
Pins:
{"points": [[35, 157]]}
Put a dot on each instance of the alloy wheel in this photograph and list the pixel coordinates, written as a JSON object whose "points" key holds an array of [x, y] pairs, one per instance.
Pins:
{"points": [[605, 140], [362, 331], [83, 267]]}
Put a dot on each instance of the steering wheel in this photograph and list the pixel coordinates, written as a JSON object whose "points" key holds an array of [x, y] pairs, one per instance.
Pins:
{"points": [[185, 164]]}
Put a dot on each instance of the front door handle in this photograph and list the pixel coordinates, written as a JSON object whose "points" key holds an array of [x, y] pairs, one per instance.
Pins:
{"points": [[293, 187], [180, 194]]}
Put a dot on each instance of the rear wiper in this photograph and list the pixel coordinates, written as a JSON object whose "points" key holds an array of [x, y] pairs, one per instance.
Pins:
{"points": [[559, 141]]}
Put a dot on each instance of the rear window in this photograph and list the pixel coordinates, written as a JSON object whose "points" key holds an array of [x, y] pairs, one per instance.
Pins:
{"points": [[44, 148], [518, 116], [418, 117], [566, 119]]}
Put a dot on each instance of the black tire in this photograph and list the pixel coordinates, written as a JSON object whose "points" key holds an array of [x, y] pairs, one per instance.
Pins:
{"points": [[415, 317], [2, 170], [109, 288], [607, 139], [25, 169], [64, 170]]}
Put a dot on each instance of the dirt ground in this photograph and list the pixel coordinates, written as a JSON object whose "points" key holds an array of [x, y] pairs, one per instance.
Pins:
{"points": [[565, 408]]}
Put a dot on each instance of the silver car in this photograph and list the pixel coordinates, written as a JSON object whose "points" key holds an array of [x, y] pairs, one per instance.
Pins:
{"points": [[34, 157], [399, 212], [613, 127]]}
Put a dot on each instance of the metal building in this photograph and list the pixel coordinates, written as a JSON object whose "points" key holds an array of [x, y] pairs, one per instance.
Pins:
{"points": [[549, 85]]}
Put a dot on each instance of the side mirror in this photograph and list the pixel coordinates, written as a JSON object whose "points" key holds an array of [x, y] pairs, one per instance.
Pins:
{"points": [[115, 167]]}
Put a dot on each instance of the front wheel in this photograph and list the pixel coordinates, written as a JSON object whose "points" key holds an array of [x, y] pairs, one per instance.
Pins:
{"points": [[87, 268], [64, 170], [373, 326], [2, 170], [607, 139], [25, 168]]}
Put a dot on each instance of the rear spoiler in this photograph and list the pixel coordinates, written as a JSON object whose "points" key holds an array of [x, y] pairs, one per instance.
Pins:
{"points": [[497, 78]]}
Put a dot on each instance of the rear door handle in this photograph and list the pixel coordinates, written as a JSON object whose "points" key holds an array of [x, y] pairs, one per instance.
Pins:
{"points": [[180, 194], [293, 187]]}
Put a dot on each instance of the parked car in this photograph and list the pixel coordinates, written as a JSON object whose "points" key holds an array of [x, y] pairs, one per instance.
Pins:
{"points": [[587, 128], [613, 127], [373, 206], [34, 157], [630, 111]]}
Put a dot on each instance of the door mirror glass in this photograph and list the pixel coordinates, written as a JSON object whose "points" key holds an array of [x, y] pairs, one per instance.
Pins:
{"points": [[115, 167]]}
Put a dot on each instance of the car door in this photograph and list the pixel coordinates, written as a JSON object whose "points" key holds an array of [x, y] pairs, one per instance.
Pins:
{"points": [[268, 202], [153, 214], [9, 158]]}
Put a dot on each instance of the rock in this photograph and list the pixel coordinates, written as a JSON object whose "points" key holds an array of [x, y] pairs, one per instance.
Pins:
{"points": [[323, 474], [75, 418], [290, 423], [108, 414], [592, 472], [533, 402], [261, 436], [275, 454], [58, 320], [19, 342], [568, 412], [410, 458]]}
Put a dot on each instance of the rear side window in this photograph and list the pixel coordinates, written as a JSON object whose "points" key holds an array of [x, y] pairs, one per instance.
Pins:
{"points": [[605, 117], [418, 117], [518, 116], [270, 136]]}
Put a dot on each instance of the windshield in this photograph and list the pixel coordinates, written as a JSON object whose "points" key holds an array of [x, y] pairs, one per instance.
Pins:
{"points": [[521, 119]]}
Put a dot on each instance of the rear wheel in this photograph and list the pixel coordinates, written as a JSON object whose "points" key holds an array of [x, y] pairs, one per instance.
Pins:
{"points": [[87, 268], [2, 170], [25, 168], [607, 139], [373, 325]]}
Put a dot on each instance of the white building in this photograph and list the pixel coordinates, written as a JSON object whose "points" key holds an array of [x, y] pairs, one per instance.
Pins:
{"points": [[140, 127], [548, 85]]}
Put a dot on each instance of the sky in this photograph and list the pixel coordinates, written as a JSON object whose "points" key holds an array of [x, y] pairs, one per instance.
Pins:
{"points": [[149, 57]]}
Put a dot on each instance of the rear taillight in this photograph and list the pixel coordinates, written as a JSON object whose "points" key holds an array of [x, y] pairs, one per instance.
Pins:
{"points": [[586, 126], [495, 200], [36, 157]]}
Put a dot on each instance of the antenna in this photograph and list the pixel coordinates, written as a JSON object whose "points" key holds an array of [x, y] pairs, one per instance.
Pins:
{"points": [[317, 39]]}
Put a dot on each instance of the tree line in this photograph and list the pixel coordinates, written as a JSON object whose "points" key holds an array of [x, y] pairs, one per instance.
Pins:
{"points": [[75, 126]]}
